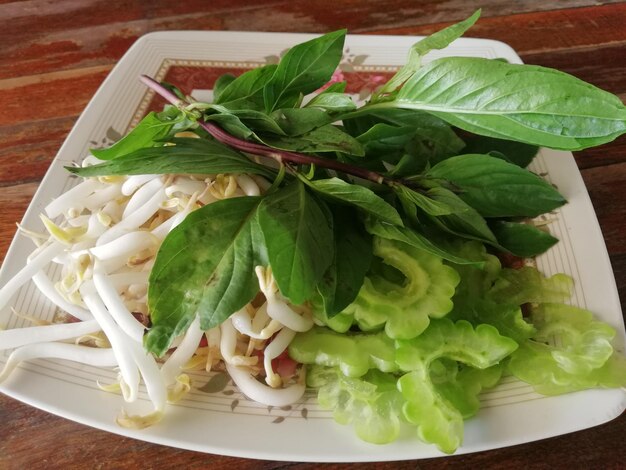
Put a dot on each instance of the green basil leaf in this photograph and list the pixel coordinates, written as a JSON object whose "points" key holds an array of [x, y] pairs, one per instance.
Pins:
{"points": [[439, 40], [413, 238], [327, 138], [532, 104], [232, 124], [522, 240], [445, 37], [409, 165], [464, 220], [258, 121], [385, 141], [413, 137], [353, 255], [409, 210], [519, 153], [298, 235], [496, 188], [148, 133], [220, 84], [434, 141], [360, 121], [332, 102], [427, 204], [205, 266], [298, 121], [337, 87], [397, 116], [242, 123], [358, 196], [304, 69], [246, 91], [191, 156]]}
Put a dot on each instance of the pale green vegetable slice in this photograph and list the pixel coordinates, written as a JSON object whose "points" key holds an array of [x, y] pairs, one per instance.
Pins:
{"points": [[475, 280], [354, 354], [339, 323], [519, 286], [470, 303], [372, 403], [507, 319], [404, 307], [438, 421], [461, 385], [570, 351], [585, 343]]}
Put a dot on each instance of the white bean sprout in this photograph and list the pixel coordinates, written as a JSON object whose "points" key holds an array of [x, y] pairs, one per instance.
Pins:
{"points": [[254, 389], [92, 356], [105, 233]]}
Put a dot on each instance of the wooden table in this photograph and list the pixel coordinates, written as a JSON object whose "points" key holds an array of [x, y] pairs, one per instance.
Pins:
{"points": [[55, 54]]}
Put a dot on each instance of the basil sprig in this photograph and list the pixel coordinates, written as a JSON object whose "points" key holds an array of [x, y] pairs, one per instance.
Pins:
{"points": [[438, 153]]}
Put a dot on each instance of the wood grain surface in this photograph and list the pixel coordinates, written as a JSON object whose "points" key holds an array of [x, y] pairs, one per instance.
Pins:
{"points": [[55, 54]]}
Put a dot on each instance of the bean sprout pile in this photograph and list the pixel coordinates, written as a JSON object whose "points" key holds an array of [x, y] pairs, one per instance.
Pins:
{"points": [[107, 234]]}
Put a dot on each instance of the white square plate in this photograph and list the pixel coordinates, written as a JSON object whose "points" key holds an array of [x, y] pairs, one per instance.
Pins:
{"points": [[224, 421]]}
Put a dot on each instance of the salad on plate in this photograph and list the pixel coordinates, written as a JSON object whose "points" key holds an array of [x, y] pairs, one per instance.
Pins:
{"points": [[379, 253]]}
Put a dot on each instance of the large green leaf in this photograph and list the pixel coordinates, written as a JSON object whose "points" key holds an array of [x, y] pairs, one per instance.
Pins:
{"points": [[205, 267], [431, 206], [385, 141], [190, 156], [522, 239], [332, 102], [353, 255], [463, 220], [496, 188], [257, 121], [533, 104], [148, 133], [232, 124], [327, 138], [298, 235], [518, 153], [406, 138], [298, 121], [413, 238], [242, 123], [220, 84], [246, 91], [358, 196], [303, 69]]}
